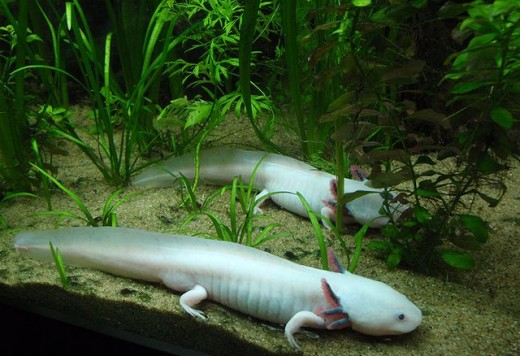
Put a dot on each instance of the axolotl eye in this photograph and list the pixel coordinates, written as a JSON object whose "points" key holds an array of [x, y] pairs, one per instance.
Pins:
{"points": [[401, 316]]}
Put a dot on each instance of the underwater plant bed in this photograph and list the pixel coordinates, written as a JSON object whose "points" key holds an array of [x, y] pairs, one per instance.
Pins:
{"points": [[473, 311]]}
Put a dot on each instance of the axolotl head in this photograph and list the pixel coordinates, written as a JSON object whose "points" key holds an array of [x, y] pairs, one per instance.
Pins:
{"points": [[368, 306]]}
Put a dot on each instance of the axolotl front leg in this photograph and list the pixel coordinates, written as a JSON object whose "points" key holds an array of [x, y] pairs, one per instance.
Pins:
{"points": [[332, 318], [330, 207]]}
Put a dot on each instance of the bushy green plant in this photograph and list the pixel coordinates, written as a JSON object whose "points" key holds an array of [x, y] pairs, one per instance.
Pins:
{"points": [[486, 80], [371, 74], [486, 76], [212, 55]]}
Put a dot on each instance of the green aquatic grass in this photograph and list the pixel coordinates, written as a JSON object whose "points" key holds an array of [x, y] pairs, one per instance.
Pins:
{"points": [[292, 62], [241, 213], [14, 53], [58, 261], [240, 229], [248, 203], [352, 257], [107, 217], [190, 200], [123, 112], [55, 79], [313, 217], [44, 179], [247, 34], [87, 216], [358, 239], [95, 70]]}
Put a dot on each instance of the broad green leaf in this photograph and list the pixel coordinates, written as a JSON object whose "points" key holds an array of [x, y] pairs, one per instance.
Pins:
{"points": [[487, 164], [481, 40], [361, 3], [429, 115], [502, 116], [348, 197], [476, 226], [198, 113], [427, 189], [421, 214], [427, 193], [451, 10], [463, 88], [419, 4], [466, 241], [427, 173], [378, 245], [389, 179], [391, 231], [410, 70], [423, 159], [460, 260], [492, 202], [394, 258], [447, 152], [341, 100], [395, 154]]}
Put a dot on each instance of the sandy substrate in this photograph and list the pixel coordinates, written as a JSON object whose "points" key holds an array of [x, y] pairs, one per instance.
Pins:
{"points": [[474, 312]]}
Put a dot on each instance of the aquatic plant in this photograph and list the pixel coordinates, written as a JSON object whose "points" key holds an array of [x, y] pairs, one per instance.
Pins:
{"points": [[14, 41], [127, 105], [208, 69], [366, 85], [485, 74], [108, 216], [60, 267], [247, 35], [241, 224], [378, 117], [123, 110]]}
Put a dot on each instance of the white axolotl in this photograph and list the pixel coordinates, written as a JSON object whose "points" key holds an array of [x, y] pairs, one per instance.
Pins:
{"points": [[242, 278], [278, 173]]}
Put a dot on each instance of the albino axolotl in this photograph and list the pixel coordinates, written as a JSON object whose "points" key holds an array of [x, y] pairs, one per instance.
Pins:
{"points": [[278, 173], [243, 278]]}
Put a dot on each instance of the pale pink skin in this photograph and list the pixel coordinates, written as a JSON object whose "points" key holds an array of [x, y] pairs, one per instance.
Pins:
{"points": [[243, 278], [276, 173]]}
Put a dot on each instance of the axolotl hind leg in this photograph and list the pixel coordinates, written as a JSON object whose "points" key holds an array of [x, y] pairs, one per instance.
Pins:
{"points": [[191, 298]]}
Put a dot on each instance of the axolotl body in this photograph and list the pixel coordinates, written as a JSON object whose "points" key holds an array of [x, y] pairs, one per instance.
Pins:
{"points": [[283, 175], [242, 278]]}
